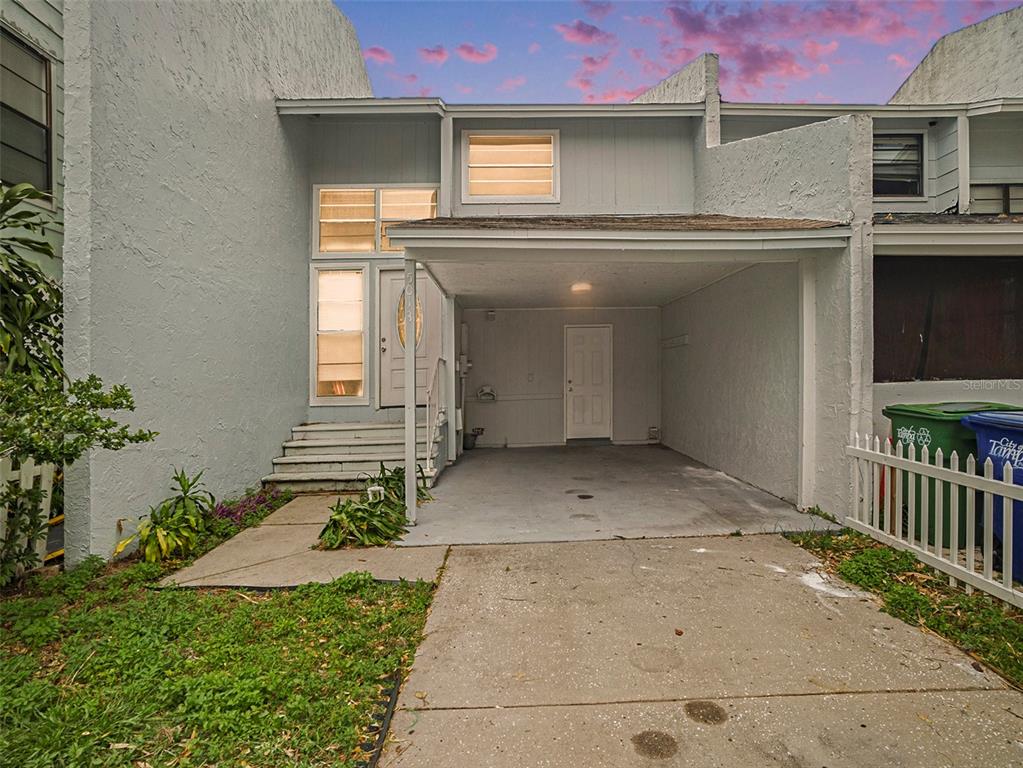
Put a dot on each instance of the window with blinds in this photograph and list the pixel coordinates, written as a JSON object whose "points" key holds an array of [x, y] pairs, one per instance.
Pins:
{"points": [[24, 114], [515, 168], [356, 220], [996, 198], [899, 165], [340, 341]]}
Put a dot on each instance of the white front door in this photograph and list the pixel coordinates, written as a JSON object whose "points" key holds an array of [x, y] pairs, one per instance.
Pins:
{"points": [[587, 381], [392, 343]]}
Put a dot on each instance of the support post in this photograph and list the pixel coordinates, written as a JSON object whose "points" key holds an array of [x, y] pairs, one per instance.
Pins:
{"points": [[807, 381], [451, 382], [410, 390], [446, 192], [963, 161]]}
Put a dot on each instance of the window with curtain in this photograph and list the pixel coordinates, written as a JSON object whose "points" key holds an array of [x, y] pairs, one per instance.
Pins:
{"points": [[516, 167], [952, 317], [340, 340], [24, 114], [899, 165], [356, 220]]}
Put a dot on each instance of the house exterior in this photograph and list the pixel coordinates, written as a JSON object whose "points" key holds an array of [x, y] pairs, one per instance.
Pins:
{"points": [[748, 284]]}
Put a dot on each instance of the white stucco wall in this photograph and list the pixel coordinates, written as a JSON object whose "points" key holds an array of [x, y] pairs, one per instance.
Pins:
{"points": [[731, 392], [187, 235], [521, 354], [982, 61], [689, 85], [821, 171]]}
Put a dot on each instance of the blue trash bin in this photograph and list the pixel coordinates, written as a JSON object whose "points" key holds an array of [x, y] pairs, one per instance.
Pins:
{"points": [[1000, 438]]}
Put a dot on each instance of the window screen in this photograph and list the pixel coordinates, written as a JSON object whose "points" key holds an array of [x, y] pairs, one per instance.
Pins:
{"points": [[511, 166], [898, 165], [24, 114], [948, 318]]}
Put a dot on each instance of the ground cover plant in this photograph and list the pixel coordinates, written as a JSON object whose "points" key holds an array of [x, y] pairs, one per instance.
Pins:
{"points": [[376, 517], [988, 629], [98, 668]]}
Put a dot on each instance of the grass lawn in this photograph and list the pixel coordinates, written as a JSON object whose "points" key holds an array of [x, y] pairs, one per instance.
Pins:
{"points": [[988, 629], [98, 668]]}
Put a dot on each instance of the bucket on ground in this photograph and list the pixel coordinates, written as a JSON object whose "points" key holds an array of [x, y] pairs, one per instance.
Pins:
{"points": [[1000, 438], [934, 426]]}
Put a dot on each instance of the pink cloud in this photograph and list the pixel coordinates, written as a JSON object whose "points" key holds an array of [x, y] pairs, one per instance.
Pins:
{"points": [[534, 48], [900, 61], [581, 33], [378, 54], [615, 95], [476, 55], [410, 79], [596, 9], [648, 65], [463, 89], [646, 21], [436, 55], [815, 51], [581, 82], [510, 84], [593, 64]]}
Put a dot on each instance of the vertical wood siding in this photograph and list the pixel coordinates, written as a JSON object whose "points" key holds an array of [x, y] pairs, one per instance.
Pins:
{"points": [[630, 165], [374, 152], [996, 148]]}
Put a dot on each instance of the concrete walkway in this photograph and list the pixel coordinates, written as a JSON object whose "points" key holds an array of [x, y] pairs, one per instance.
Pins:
{"points": [[684, 652], [581, 493]]}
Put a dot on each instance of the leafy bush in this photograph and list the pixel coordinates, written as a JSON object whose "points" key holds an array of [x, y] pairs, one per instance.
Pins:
{"points": [[172, 527], [372, 520]]}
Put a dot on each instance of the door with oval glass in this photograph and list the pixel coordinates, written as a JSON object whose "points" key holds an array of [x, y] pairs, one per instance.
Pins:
{"points": [[392, 336]]}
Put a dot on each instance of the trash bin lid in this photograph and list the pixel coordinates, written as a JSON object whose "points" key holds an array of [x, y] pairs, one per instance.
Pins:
{"points": [[1002, 420], [945, 411]]}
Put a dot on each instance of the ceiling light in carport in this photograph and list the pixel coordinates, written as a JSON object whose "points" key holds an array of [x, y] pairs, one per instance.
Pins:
{"points": [[581, 287]]}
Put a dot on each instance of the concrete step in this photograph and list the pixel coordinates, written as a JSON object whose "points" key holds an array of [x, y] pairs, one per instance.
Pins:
{"points": [[367, 463], [324, 482], [353, 431], [344, 447]]}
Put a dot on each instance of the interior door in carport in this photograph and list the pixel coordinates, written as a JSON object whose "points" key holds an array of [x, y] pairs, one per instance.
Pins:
{"points": [[587, 381], [392, 339]]}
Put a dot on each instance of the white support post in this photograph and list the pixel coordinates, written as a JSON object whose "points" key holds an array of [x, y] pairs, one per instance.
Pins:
{"points": [[807, 380], [446, 192], [450, 382], [410, 390]]}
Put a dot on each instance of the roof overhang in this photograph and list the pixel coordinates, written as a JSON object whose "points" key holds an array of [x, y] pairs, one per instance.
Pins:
{"points": [[948, 239], [422, 106], [969, 109]]}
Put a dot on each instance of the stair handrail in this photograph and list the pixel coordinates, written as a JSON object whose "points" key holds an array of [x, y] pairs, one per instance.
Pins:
{"points": [[433, 413]]}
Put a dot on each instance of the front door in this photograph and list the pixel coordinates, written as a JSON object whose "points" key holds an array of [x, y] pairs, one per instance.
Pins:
{"points": [[587, 381], [391, 308]]}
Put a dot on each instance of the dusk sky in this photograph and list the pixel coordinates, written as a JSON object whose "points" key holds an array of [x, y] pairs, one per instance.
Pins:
{"points": [[601, 51]]}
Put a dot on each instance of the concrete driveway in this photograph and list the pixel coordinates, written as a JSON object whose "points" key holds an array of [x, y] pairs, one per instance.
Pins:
{"points": [[724, 651]]}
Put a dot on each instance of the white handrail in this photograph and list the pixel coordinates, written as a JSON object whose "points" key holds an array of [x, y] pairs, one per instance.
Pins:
{"points": [[436, 387]]}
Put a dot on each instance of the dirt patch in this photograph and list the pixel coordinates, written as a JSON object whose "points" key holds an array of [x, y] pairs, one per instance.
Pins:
{"points": [[655, 744], [706, 712]]}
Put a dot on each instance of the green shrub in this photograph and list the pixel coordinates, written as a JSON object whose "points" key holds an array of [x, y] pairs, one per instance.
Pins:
{"points": [[173, 526], [372, 520]]}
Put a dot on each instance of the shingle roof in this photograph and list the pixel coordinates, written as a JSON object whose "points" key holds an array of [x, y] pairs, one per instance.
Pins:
{"points": [[610, 222], [946, 218]]}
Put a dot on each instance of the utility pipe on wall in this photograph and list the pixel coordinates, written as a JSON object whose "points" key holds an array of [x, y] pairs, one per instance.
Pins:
{"points": [[410, 390]]}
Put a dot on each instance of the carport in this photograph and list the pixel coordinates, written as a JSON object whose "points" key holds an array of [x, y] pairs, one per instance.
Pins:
{"points": [[710, 351]]}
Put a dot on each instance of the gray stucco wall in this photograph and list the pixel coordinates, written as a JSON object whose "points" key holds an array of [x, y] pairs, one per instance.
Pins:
{"points": [[690, 85], [731, 394], [822, 171], [982, 61], [186, 255]]}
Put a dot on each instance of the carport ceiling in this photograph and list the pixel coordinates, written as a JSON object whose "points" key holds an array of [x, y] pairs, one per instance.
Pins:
{"points": [[504, 285]]}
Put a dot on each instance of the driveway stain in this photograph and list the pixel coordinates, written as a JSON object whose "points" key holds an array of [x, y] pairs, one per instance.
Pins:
{"points": [[657, 745], [706, 712], [584, 496]]}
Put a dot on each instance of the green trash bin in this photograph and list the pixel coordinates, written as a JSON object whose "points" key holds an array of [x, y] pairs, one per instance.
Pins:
{"points": [[936, 425]]}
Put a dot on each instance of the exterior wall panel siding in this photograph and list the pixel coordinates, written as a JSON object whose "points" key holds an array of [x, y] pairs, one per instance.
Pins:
{"points": [[374, 152]]}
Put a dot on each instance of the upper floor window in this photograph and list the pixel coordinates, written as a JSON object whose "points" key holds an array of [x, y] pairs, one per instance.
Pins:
{"points": [[511, 168], [899, 165], [996, 198], [24, 114], [356, 220]]}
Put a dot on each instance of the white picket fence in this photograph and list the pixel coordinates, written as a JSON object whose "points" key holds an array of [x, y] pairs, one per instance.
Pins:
{"points": [[893, 487], [29, 474]]}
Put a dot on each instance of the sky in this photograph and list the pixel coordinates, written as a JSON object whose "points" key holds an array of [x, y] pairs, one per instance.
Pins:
{"points": [[504, 51]]}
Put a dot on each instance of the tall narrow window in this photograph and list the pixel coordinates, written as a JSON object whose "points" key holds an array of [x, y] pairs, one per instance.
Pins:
{"points": [[340, 346], [348, 220], [24, 114], [898, 165], [511, 168]]}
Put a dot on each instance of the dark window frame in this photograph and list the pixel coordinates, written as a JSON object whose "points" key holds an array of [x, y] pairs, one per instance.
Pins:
{"points": [[11, 37], [1005, 188], [918, 136]]}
